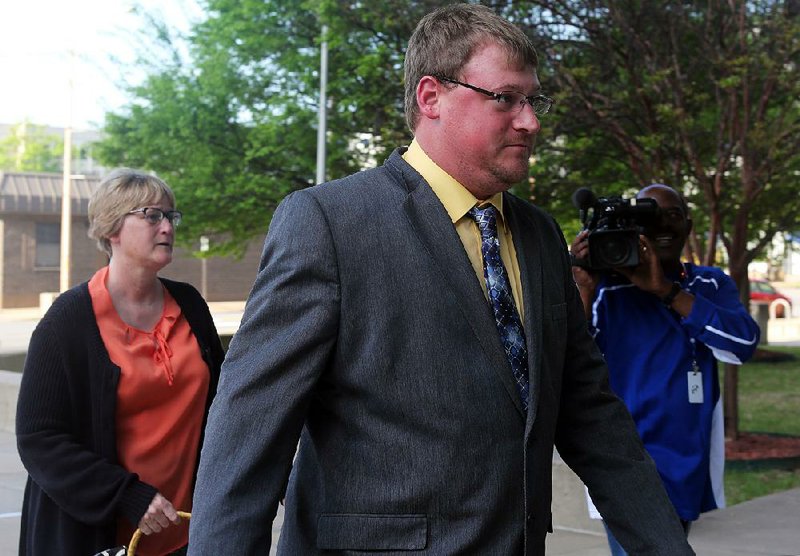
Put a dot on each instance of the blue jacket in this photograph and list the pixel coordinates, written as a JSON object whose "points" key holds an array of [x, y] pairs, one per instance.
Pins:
{"points": [[651, 351]]}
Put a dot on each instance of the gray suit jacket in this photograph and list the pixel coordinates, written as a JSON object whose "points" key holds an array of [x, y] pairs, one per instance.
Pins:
{"points": [[368, 338]]}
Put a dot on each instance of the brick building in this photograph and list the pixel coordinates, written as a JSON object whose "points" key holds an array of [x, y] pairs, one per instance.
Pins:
{"points": [[30, 245]]}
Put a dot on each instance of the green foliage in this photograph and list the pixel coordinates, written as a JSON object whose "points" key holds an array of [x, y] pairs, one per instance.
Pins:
{"points": [[220, 130], [696, 95], [674, 92], [745, 484], [699, 96], [233, 128], [30, 148], [769, 395]]}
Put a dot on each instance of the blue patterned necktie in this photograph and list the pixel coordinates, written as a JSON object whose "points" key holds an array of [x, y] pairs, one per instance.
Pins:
{"points": [[498, 288]]}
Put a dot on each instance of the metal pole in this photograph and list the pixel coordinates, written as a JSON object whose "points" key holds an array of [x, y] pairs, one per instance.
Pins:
{"points": [[66, 193], [323, 106], [204, 268]]}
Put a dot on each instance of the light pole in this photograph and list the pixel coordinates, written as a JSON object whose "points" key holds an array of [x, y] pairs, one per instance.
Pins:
{"points": [[204, 268], [66, 190], [323, 106]]}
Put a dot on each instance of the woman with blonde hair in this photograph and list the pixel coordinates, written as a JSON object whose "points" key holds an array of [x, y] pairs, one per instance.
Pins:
{"points": [[117, 383]]}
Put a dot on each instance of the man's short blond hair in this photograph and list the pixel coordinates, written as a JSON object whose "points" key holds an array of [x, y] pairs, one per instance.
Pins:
{"points": [[446, 39]]}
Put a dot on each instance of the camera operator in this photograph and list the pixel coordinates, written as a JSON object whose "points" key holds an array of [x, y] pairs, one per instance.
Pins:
{"points": [[662, 326]]}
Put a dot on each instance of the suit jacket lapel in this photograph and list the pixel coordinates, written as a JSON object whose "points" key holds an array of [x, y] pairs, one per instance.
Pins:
{"points": [[526, 244], [437, 234]]}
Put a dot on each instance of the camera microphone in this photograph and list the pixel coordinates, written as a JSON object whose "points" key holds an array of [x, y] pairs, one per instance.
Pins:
{"points": [[583, 199]]}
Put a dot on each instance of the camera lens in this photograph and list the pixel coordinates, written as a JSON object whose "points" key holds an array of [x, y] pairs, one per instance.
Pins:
{"points": [[615, 250]]}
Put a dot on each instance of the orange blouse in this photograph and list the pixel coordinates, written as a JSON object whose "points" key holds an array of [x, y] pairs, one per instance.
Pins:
{"points": [[161, 401]]}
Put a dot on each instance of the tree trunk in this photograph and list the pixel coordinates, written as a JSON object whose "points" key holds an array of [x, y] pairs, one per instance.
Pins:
{"points": [[738, 273], [731, 401]]}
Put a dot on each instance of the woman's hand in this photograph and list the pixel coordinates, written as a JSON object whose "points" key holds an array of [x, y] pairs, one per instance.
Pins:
{"points": [[160, 514]]}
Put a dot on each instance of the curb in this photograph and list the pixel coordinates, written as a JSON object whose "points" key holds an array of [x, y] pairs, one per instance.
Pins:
{"points": [[9, 390]]}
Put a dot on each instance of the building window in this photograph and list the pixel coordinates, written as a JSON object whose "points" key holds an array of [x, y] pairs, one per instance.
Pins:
{"points": [[48, 245]]}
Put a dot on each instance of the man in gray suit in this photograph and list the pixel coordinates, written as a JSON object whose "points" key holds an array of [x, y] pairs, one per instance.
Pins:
{"points": [[418, 331]]}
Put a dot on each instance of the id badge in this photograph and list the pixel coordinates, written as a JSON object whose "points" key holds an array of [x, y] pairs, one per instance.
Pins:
{"points": [[695, 387]]}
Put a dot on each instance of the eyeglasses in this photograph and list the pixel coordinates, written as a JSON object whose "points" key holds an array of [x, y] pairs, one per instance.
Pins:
{"points": [[155, 215], [507, 101]]}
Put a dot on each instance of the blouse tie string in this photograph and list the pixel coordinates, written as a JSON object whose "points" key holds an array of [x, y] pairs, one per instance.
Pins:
{"points": [[162, 355]]}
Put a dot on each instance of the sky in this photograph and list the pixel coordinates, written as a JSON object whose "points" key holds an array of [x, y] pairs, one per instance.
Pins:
{"points": [[37, 71]]}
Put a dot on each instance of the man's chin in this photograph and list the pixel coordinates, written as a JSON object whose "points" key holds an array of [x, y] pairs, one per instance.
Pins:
{"points": [[511, 176]]}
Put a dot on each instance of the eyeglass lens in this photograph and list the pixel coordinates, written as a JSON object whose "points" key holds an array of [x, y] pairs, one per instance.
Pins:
{"points": [[156, 215], [509, 100]]}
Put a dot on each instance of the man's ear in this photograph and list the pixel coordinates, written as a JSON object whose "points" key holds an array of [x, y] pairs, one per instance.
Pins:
{"points": [[428, 97]]}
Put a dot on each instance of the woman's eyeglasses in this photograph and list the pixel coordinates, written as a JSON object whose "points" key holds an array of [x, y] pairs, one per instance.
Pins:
{"points": [[155, 215]]}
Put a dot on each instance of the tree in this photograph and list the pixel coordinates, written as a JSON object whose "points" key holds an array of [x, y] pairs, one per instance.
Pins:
{"points": [[699, 95], [30, 148], [232, 126]]}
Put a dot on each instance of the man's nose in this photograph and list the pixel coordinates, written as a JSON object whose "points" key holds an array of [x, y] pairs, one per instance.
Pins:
{"points": [[527, 120]]}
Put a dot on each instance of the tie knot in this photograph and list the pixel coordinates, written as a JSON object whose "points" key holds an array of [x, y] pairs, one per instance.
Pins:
{"points": [[485, 218]]}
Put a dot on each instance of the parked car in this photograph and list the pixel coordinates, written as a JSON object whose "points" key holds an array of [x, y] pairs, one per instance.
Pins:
{"points": [[763, 291]]}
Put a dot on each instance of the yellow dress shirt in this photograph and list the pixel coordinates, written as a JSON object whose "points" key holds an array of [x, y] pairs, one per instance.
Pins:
{"points": [[457, 201]]}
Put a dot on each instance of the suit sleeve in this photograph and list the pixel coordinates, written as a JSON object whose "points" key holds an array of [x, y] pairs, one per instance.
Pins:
{"points": [[85, 484], [597, 438], [283, 345]]}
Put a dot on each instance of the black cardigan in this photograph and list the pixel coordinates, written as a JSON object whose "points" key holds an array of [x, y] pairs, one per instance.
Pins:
{"points": [[65, 423]]}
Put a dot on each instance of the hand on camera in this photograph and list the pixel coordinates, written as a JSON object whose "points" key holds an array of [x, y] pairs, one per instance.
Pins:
{"points": [[584, 278], [648, 274]]}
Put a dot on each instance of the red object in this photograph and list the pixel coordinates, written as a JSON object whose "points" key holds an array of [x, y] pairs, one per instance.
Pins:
{"points": [[161, 396], [761, 290]]}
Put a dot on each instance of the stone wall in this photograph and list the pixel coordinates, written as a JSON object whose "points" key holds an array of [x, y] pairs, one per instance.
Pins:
{"points": [[22, 282]]}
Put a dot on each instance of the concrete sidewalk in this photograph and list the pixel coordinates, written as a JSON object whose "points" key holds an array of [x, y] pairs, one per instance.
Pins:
{"points": [[12, 487], [16, 325], [768, 526]]}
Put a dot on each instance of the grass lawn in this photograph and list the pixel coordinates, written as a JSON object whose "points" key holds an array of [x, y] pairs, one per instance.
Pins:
{"points": [[769, 401]]}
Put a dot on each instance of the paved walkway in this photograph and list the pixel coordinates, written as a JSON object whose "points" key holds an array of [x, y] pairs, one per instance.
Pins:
{"points": [[768, 526], [12, 486], [16, 325]]}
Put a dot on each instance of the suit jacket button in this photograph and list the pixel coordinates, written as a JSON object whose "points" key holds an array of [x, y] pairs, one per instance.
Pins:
{"points": [[528, 516]]}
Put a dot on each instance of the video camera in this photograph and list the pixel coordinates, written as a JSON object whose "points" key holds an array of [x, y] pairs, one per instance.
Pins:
{"points": [[614, 225]]}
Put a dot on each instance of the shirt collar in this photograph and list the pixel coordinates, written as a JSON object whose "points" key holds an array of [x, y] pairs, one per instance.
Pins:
{"points": [[104, 304], [456, 199]]}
